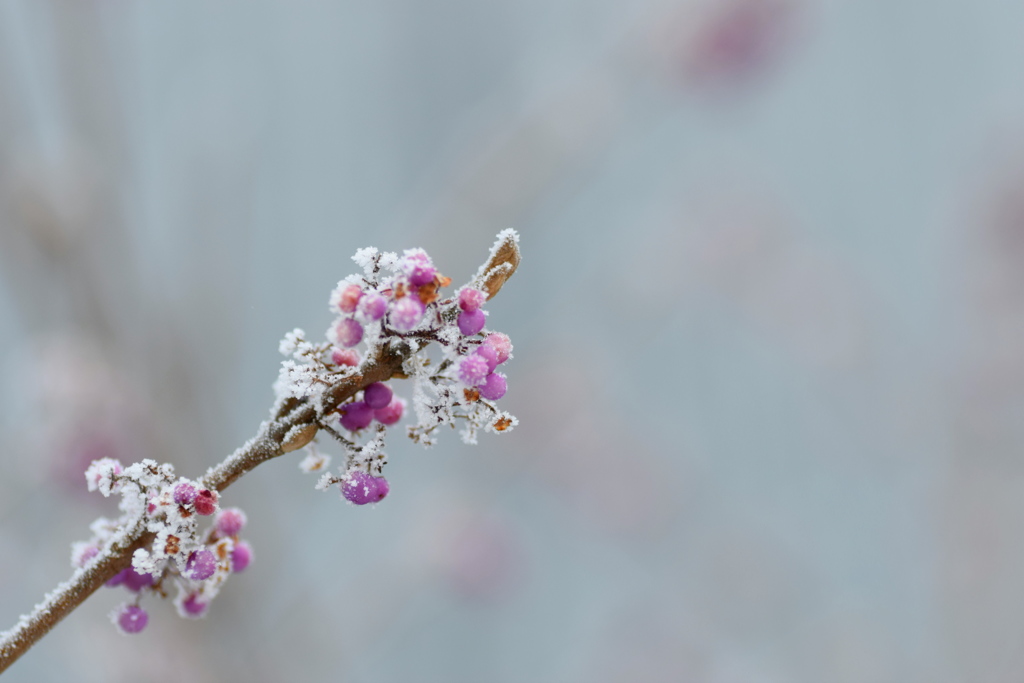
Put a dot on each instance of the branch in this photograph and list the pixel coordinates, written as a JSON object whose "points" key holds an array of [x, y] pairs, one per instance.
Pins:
{"points": [[295, 424]]}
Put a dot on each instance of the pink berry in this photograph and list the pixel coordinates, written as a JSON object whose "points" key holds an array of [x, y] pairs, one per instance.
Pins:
{"points": [[350, 298], [135, 581], [349, 332], [494, 386], [472, 369], [83, 556], [501, 343], [193, 607], [185, 493], [471, 299], [201, 565], [205, 502], [391, 413], [349, 357], [406, 313], [422, 275], [487, 352], [117, 579], [471, 322], [356, 416], [373, 306], [362, 488], [131, 619], [377, 395], [241, 556], [230, 521]]}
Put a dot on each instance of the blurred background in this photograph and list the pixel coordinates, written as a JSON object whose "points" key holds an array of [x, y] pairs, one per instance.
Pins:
{"points": [[768, 328]]}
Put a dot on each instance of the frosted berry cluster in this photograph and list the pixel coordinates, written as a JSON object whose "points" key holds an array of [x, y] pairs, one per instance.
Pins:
{"points": [[399, 303], [196, 562]]}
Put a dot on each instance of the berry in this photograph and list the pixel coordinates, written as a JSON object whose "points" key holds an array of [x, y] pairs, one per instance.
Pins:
{"points": [[205, 502], [422, 275], [471, 322], [131, 619], [494, 386], [192, 607], [373, 306], [471, 299], [377, 395], [117, 579], [356, 416], [349, 357], [201, 565], [349, 332], [391, 413], [241, 556], [472, 369], [349, 298], [362, 488], [230, 521], [501, 343], [82, 555], [134, 581], [487, 352], [185, 493], [406, 313]]}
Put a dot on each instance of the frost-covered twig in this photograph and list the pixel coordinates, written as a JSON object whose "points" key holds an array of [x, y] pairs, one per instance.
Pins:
{"points": [[157, 536]]}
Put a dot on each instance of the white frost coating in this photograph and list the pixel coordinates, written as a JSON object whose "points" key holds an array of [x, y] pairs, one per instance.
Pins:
{"points": [[366, 258], [315, 461]]}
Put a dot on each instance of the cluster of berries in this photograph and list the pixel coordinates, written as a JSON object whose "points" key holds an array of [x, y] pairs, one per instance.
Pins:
{"points": [[198, 564]]}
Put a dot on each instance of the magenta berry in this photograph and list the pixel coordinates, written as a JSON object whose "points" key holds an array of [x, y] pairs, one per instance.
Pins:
{"points": [[472, 369], [201, 565], [193, 607], [373, 306], [406, 313], [487, 352], [185, 493], [230, 521], [391, 413], [356, 415], [134, 581], [349, 332], [422, 275], [377, 395], [241, 556], [205, 502], [349, 357], [349, 298], [471, 322], [131, 619], [501, 343], [362, 488], [117, 579], [83, 556], [471, 299], [493, 387]]}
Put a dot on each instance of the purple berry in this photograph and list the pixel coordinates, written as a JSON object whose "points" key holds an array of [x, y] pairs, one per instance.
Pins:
{"points": [[377, 395], [230, 521], [362, 488], [349, 332], [472, 369], [422, 275], [471, 299], [85, 554], [135, 581], [391, 413], [494, 386], [193, 607], [501, 343], [373, 307], [487, 352], [241, 556], [201, 565], [185, 493], [471, 322], [131, 619], [205, 502], [349, 298], [406, 313], [117, 579], [349, 357], [356, 416]]}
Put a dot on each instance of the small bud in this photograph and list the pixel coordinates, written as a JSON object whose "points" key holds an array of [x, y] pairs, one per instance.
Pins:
{"points": [[349, 332], [229, 521], [201, 565], [391, 413], [471, 322], [130, 618], [298, 436], [377, 395], [241, 556], [361, 488], [356, 416], [205, 502]]}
